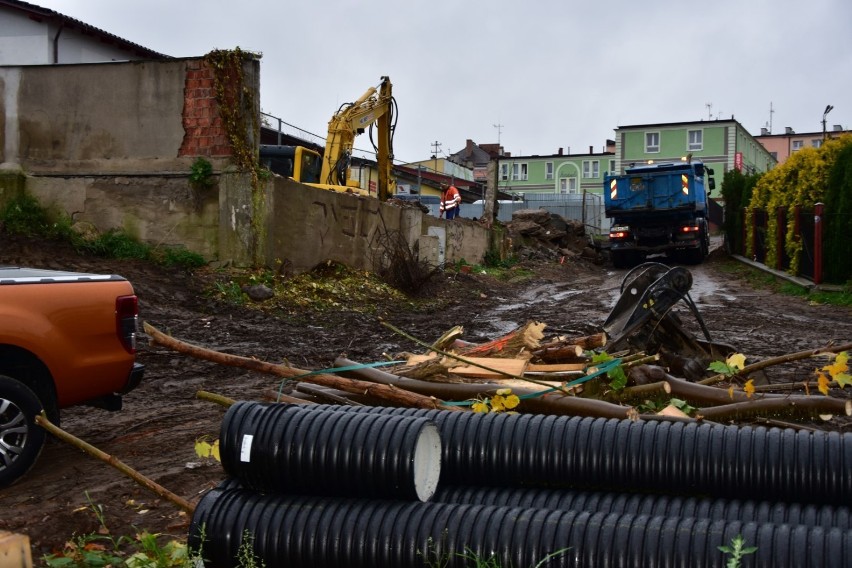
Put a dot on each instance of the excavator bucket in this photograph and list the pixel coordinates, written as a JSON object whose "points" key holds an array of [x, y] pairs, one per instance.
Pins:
{"points": [[643, 319]]}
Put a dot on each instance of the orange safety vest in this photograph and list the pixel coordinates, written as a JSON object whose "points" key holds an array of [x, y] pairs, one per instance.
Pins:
{"points": [[450, 198]]}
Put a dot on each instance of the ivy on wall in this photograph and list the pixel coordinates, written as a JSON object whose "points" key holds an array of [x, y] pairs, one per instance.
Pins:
{"points": [[236, 102]]}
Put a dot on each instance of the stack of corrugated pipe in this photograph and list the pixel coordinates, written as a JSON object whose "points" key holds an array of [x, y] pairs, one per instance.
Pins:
{"points": [[332, 486]]}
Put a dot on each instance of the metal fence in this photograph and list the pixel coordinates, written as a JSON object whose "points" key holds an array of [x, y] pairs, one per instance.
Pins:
{"points": [[587, 208]]}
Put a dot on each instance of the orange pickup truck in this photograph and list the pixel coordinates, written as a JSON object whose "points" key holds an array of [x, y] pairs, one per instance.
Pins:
{"points": [[66, 338]]}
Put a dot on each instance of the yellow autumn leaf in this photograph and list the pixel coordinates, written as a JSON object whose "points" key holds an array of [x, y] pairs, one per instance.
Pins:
{"points": [[203, 448], [737, 361], [731, 392], [512, 401], [843, 379], [214, 451], [479, 407], [749, 387], [504, 392], [823, 383], [497, 403], [840, 365]]}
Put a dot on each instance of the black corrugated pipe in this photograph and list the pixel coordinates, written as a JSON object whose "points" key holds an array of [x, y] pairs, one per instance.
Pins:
{"points": [[613, 455], [294, 449], [315, 532], [824, 516]]}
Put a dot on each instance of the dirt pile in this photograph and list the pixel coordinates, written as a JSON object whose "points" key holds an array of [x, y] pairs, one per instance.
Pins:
{"points": [[538, 234]]}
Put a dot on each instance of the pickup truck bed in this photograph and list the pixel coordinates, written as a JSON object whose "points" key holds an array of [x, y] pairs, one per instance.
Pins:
{"points": [[66, 338]]}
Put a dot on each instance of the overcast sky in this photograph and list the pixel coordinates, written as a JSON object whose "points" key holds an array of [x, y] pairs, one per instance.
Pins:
{"points": [[540, 75]]}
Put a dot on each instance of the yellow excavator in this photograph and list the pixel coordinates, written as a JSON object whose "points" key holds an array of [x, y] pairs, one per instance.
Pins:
{"points": [[376, 107]]}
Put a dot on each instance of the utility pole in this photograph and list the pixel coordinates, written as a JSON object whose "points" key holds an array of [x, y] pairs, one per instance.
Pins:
{"points": [[436, 146]]}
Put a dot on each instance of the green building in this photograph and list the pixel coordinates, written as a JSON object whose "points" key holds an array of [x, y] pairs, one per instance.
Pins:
{"points": [[723, 145], [555, 174]]}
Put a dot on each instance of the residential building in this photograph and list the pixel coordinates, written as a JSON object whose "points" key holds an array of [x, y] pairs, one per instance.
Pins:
{"points": [[32, 35], [476, 158], [781, 146], [723, 145], [558, 173]]}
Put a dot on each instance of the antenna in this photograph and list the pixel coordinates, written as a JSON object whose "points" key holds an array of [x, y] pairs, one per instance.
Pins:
{"points": [[709, 109], [499, 128], [771, 112]]}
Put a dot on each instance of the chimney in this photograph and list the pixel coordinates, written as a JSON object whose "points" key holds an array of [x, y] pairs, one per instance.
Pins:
{"points": [[560, 152], [764, 132], [788, 130], [591, 149], [838, 128]]}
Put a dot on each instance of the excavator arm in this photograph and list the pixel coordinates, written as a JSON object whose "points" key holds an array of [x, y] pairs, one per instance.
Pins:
{"points": [[375, 106]]}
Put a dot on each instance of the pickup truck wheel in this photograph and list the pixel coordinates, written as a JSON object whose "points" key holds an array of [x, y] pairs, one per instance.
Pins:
{"points": [[21, 440]]}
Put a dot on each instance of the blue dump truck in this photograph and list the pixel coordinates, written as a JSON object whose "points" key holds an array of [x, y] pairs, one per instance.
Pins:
{"points": [[659, 208]]}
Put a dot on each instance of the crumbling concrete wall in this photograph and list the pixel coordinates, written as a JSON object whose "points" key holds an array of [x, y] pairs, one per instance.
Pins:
{"points": [[307, 225]]}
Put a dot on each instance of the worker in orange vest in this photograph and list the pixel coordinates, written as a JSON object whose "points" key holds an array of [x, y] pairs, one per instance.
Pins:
{"points": [[450, 201]]}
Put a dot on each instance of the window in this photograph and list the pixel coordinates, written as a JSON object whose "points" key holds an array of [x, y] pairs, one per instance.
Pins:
{"points": [[695, 140], [774, 155], [504, 172], [548, 170], [797, 145], [652, 142], [519, 172], [591, 169], [816, 143], [612, 167], [568, 185]]}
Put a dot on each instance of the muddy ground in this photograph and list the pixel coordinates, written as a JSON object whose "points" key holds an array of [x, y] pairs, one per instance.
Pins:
{"points": [[156, 431]]}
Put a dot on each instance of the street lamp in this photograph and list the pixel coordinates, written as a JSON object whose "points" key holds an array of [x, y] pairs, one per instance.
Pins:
{"points": [[828, 109]]}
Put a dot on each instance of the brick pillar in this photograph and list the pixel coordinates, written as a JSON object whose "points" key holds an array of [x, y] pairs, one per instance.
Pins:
{"points": [[204, 132]]}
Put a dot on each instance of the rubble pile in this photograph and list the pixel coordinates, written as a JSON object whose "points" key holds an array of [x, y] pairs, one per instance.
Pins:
{"points": [[538, 234]]}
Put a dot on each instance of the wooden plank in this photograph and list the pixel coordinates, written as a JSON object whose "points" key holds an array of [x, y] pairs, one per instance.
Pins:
{"points": [[555, 367], [15, 551], [508, 366]]}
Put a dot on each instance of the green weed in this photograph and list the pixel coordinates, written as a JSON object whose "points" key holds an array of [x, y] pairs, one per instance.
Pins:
{"points": [[23, 215], [737, 550], [104, 549]]}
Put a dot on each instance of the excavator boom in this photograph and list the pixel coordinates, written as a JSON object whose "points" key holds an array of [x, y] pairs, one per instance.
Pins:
{"points": [[375, 106]]}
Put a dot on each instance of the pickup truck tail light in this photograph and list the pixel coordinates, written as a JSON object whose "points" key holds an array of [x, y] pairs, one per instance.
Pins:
{"points": [[126, 313]]}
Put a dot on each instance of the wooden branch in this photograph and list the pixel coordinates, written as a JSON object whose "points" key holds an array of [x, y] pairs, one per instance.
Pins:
{"points": [[522, 339], [787, 406], [324, 394], [587, 343], [217, 398], [465, 360], [384, 392], [639, 392], [42, 421], [772, 361], [555, 402]]}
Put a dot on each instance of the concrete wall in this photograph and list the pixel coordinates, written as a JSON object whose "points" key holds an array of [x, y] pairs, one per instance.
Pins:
{"points": [[113, 144], [306, 226]]}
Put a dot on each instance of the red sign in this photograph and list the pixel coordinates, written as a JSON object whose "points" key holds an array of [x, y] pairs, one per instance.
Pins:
{"points": [[738, 161]]}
